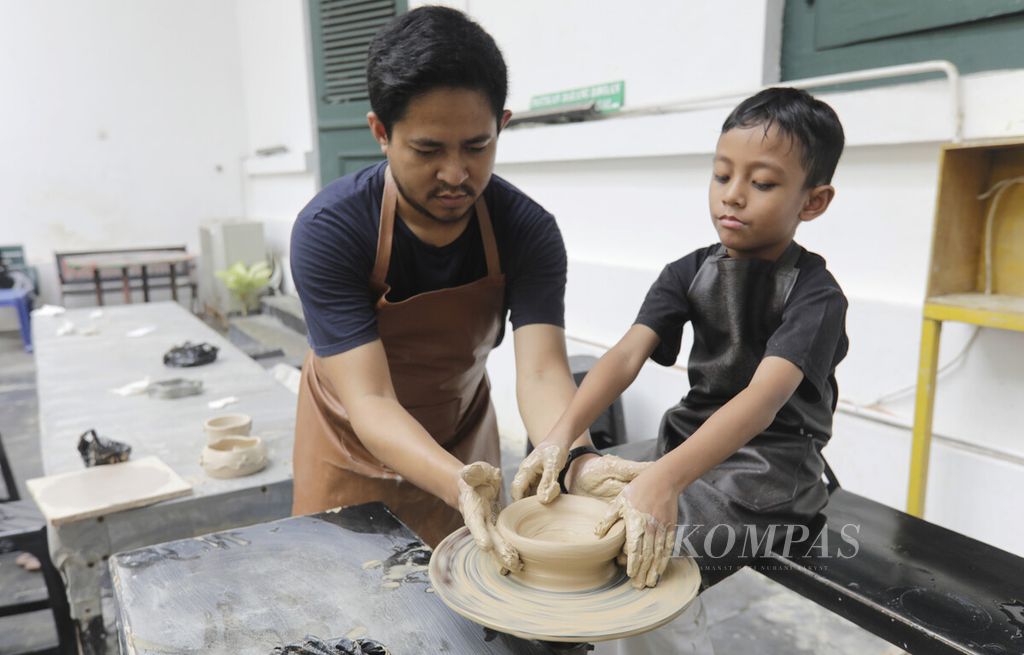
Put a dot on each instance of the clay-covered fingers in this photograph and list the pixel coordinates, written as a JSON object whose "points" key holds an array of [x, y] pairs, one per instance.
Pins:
{"points": [[505, 555], [669, 549], [611, 516], [646, 559], [659, 558], [648, 543], [479, 489], [539, 474], [605, 477], [482, 475]]}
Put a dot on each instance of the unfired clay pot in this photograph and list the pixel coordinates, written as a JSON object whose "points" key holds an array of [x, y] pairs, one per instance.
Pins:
{"points": [[557, 544], [233, 457], [227, 425]]}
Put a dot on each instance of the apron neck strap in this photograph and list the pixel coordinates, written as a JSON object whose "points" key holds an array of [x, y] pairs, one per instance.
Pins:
{"points": [[483, 216], [387, 230], [385, 236]]}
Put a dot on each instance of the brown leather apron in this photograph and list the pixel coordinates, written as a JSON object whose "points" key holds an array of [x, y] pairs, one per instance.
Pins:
{"points": [[437, 345]]}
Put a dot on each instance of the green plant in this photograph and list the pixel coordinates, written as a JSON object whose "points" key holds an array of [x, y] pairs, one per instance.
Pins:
{"points": [[246, 282]]}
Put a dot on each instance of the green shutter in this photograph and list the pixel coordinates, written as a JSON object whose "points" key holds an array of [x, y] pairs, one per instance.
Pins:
{"points": [[822, 37], [341, 32]]}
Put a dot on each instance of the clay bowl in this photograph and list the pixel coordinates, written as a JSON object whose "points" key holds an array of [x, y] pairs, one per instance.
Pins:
{"points": [[233, 457], [557, 544], [227, 425]]}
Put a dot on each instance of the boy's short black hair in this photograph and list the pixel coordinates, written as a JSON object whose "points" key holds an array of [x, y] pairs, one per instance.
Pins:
{"points": [[802, 117], [428, 48]]}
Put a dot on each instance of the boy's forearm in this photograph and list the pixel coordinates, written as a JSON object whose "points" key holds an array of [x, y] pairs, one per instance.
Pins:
{"points": [[726, 431], [605, 382], [738, 421]]}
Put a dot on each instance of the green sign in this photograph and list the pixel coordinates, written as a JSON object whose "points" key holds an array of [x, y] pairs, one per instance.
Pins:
{"points": [[608, 96]]}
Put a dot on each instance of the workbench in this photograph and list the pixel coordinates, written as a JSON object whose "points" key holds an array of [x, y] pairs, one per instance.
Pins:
{"points": [[357, 572], [75, 375]]}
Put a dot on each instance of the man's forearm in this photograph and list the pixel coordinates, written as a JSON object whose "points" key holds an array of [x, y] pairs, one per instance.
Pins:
{"points": [[394, 437], [543, 397]]}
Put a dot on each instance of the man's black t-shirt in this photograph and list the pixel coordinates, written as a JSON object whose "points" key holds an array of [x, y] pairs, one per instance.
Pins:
{"points": [[334, 243]]}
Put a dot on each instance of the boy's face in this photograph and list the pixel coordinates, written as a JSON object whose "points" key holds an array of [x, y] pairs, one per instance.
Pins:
{"points": [[441, 153], [757, 195]]}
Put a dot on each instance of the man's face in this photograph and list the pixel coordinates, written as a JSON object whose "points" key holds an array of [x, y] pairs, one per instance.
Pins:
{"points": [[441, 153], [757, 195]]}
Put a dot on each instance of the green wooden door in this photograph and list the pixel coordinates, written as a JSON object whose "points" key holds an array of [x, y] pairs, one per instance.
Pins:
{"points": [[341, 31]]}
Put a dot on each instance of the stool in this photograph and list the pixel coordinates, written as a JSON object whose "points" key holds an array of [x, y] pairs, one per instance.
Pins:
{"points": [[18, 298]]}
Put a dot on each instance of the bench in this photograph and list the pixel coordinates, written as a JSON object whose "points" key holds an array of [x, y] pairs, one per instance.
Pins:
{"points": [[915, 584], [94, 272], [920, 586]]}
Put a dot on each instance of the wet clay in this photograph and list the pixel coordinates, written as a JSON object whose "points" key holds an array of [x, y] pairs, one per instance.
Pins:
{"points": [[465, 578], [227, 425], [233, 457], [557, 544]]}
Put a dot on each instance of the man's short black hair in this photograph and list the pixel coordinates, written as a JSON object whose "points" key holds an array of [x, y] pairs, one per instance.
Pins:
{"points": [[429, 48], [803, 118]]}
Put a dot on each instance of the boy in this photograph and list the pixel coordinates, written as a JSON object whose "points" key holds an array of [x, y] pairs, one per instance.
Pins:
{"points": [[742, 450]]}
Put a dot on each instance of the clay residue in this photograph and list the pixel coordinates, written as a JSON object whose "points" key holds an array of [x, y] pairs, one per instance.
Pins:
{"points": [[407, 564], [467, 581], [357, 632]]}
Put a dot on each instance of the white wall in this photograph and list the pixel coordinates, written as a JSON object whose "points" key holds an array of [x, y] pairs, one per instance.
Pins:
{"points": [[120, 125], [277, 82], [662, 49]]}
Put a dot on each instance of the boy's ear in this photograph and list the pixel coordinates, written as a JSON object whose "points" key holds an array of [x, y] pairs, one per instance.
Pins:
{"points": [[379, 132], [818, 200]]}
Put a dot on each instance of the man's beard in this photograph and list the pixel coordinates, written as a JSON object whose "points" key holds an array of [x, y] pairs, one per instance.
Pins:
{"points": [[446, 220]]}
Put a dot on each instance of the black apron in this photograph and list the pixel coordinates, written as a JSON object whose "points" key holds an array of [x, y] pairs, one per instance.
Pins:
{"points": [[736, 305]]}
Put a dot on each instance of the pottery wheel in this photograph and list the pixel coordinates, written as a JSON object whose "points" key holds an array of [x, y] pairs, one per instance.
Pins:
{"points": [[468, 582]]}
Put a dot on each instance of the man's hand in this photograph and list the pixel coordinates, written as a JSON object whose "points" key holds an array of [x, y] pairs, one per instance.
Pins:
{"points": [[539, 473], [649, 509], [603, 477], [479, 490]]}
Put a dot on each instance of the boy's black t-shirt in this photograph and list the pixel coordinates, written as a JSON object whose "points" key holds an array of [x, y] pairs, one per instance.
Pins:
{"points": [[334, 245], [743, 311]]}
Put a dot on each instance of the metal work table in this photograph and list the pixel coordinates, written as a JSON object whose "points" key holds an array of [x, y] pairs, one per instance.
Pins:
{"points": [[327, 575], [75, 374]]}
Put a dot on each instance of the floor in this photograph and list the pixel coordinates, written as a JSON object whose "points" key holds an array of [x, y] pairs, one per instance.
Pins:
{"points": [[747, 613]]}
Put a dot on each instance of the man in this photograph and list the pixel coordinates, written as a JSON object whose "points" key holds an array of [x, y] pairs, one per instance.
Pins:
{"points": [[406, 271]]}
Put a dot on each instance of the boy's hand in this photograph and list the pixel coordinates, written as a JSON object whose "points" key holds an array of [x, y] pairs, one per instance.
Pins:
{"points": [[649, 509], [479, 489], [539, 473], [603, 477]]}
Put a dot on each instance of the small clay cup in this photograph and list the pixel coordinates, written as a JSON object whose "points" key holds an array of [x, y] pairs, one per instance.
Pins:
{"points": [[557, 544], [227, 425], [233, 457]]}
